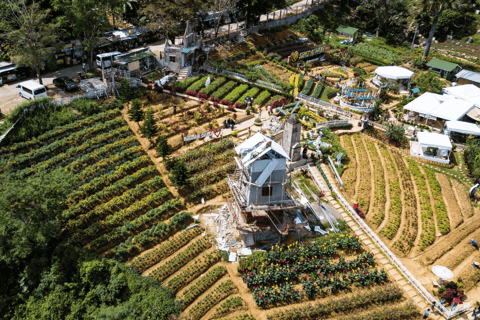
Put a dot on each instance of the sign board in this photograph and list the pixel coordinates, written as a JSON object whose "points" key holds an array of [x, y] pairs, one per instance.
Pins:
{"points": [[135, 65], [217, 133]]}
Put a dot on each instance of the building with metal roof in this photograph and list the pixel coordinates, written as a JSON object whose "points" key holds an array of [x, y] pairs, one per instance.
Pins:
{"points": [[468, 77], [445, 68], [348, 32]]}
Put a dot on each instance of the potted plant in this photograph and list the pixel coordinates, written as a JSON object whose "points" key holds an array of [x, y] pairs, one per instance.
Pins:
{"points": [[257, 122]]}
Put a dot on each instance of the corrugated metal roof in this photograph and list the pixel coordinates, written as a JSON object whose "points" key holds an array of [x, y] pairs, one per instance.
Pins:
{"points": [[442, 65], [469, 75]]}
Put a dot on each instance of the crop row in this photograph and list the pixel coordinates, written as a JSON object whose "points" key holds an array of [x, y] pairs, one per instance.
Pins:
{"points": [[165, 249], [213, 86], [155, 233], [349, 175], [220, 292], [132, 226], [197, 85], [236, 93], [105, 208], [117, 218], [197, 267], [79, 160], [379, 197], [228, 306], [202, 163], [308, 87], [200, 286], [363, 192], [216, 172], [441, 214], [70, 140], [318, 90], [262, 97], [185, 83], [364, 298], [121, 171], [109, 191], [406, 310], [222, 91], [195, 153], [250, 93], [180, 259], [395, 208], [427, 237], [80, 124], [410, 227]]}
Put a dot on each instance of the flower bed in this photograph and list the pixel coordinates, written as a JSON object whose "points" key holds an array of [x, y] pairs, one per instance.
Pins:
{"points": [[378, 294], [252, 93], [235, 94], [204, 150], [179, 260], [218, 293], [222, 91], [273, 99], [395, 208], [185, 83], [427, 237], [197, 267], [262, 97], [441, 214], [200, 286], [308, 87], [198, 85], [214, 86], [378, 206], [318, 90], [212, 175]]}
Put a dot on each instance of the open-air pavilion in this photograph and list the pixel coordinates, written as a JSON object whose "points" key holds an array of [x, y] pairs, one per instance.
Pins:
{"points": [[431, 146], [393, 74]]}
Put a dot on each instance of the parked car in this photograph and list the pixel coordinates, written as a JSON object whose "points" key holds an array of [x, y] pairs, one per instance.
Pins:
{"points": [[31, 90], [65, 83]]}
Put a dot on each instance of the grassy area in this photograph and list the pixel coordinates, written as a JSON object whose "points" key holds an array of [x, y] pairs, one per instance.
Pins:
{"points": [[306, 186]]}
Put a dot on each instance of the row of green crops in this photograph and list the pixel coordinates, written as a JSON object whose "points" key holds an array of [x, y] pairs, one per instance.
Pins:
{"points": [[441, 214], [377, 53], [213, 86]]}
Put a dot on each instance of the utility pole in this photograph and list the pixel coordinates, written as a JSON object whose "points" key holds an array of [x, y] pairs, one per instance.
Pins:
{"points": [[413, 41]]}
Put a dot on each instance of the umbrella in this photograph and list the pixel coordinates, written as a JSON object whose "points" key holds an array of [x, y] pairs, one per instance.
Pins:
{"points": [[442, 272]]}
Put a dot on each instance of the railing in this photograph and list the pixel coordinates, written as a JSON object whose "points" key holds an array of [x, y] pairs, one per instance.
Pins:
{"points": [[269, 85], [376, 125], [398, 265], [356, 108], [335, 172], [236, 75], [325, 105], [331, 123]]}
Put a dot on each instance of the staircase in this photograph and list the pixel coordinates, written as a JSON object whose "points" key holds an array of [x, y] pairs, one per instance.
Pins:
{"points": [[184, 73]]}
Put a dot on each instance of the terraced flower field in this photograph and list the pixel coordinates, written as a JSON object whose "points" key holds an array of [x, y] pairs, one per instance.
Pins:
{"points": [[412, 203]]}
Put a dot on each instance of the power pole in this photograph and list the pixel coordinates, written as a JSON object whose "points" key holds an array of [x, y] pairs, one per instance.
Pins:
{"points": [[413, 41]]}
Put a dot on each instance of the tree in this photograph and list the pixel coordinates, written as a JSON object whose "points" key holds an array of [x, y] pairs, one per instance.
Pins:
{"points": [[179, 174], [24, 25], [149, 128], [434, 9], [377, 111], [29, 212], [87, 19], [163, 148], [382, 12], [396, 134], [126, 90], [255, 8], [136, 112]]}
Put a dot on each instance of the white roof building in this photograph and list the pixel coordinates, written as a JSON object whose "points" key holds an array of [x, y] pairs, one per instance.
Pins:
{"points": [[468, 92], [257, 146], [394, 73], [462, 127], [431, 146], [433, 106]]}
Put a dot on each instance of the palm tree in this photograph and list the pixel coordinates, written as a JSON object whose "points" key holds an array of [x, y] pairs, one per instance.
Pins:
{"points": [[435, 8]]}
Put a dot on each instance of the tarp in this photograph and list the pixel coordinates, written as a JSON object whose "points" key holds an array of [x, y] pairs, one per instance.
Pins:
{"points": [[393, 72], [436, 140], [462, 127]]}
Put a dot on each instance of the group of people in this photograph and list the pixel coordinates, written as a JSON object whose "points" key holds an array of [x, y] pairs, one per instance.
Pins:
{"points": [[475, 313], [229, 123]]}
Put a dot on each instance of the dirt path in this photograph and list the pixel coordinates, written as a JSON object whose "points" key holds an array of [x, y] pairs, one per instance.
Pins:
{"points": [[388, 176], [453, 209], [432, 204], [463, 200]]}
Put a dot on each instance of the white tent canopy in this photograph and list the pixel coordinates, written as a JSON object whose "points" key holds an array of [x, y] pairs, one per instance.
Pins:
{"points": [[462, 127], [394, 73], [440, 106], [435, 140]]}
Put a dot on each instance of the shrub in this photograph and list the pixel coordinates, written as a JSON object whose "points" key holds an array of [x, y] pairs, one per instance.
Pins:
{"points": [[86, 106], [136, 112], [308, 87], [262, 97], [235, 94], [163, 148], [224, 90], [179, 174]]}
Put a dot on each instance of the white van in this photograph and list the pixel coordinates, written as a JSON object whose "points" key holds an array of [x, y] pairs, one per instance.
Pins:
{"points": [[31, 90], [106, 58]]}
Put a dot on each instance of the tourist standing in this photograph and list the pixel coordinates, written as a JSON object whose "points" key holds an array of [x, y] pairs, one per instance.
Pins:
{"points": [[433, 307], [426, 313]]}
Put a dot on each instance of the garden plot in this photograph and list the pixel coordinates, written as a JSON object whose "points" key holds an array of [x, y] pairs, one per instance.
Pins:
{"points": [[364, 173], [349, 175], [377, 209]]}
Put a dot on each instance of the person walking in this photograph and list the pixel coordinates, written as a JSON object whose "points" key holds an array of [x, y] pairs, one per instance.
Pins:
{"points": [[433, 307], [426, 313], [475, 310], [249, 132], [83, 67], [474, 243], [454, 305], [442, 301], [174, 110]]}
